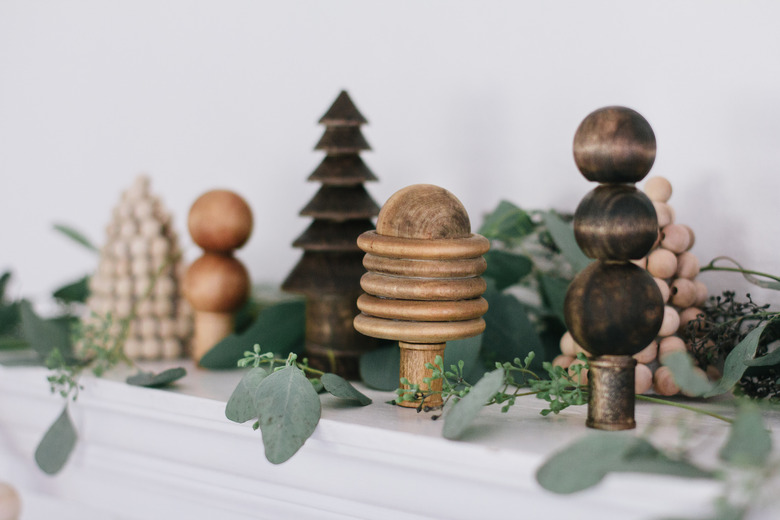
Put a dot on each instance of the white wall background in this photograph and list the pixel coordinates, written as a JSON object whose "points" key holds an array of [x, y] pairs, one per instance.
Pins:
{"points": [[482, 98]]}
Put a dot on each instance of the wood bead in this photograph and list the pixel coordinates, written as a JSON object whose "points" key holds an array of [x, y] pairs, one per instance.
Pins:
{"points": [[216, 283], [10, 504], [220, 221], [423, 211], [688, 315], [663, 382], [691, 236], [615, 222], [614, 144], [662, 263], [613, 309], [568, 346], [676, 238], [643, 378], [664, 213], [562, 361], [583, 377], [658, 189], [670, 323], [664, 288], [670, 344], [683, 293], [647, 354], [687, 266], [702, 293]]}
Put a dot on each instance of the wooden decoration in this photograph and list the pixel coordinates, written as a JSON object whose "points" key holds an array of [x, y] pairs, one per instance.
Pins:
{"points": [[138, 278], [217, 284], [329, 272], [423, 286], [613, 308]]}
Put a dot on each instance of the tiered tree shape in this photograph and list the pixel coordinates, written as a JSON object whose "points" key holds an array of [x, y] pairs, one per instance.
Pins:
{"points": [[329, 271]]}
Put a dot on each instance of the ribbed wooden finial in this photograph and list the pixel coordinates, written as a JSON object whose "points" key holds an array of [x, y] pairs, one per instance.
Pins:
{"points": [[217, 284], [613, 308], [423, 286]]}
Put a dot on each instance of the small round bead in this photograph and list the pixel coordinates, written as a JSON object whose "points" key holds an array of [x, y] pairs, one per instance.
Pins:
{"points": [[147, 327], [164, 287], [663, 382], [664, 288], [132, 348], [643, 378], [688, 315], [150, 228], [123, 287], [562, 361], [140, 267], [647, 354], [675, 238], [120, 249], [10, 503], [662, 263], [151, 348], [583, 379], [171, 348], [128, 229], [701, 293], [159, 247], [141, 285], [664, 213], [121, 267], [163, 306], [143, 209], [166, 328], [671, 322], [658, 189], [144, 307], [683, 292], [691, 236], [687, 265], [567, 345], [220, 220], [670, 344], [139, 246]]}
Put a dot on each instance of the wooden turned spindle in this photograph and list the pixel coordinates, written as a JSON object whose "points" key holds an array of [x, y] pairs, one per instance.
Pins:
{"points": [[614, 309], [217, 284], [422, 286]]}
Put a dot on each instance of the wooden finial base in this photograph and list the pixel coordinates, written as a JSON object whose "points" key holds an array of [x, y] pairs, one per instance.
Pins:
{"points": [[611, 402], [414, 357], [210, 329]]}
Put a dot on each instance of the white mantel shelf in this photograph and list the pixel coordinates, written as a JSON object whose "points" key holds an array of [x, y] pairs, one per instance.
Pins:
{"points": [[158, 454]]}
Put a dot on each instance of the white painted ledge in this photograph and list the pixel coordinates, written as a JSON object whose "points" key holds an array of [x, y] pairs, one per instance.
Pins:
{"points": [[149, 454]]}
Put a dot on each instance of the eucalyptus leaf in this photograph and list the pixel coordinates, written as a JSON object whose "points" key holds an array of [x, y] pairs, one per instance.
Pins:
{"points": [[563, 236], [770, 359], [553, 290], [77, 291], [279, 328], [380, 368], [692, 382], [76, 236], [766, 284], [241, 406], [506, 268], [289, 409], [749, 442], [12, 343], [507, 223], [56, 445], [735, 364], [586, 462], [468, 351], [152, 380], [509, 333], [463, 413], [44, 335], [341, 388]]}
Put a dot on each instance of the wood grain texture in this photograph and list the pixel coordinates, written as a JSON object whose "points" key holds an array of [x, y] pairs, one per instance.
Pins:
{"points": [[414, 357], [416, 249], [403, 288], [457, 268], [422, 310], [220, 221], [423, 211]]}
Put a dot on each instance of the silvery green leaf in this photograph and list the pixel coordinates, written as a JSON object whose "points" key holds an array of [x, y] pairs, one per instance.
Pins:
{"points": [[380, 368], [690, 381], [463, 413], [563, 236], [749, 442], [289, 409], [76, 236], [56, 445], [341, 388], [152, 380], [241, 405], [736, 362]]}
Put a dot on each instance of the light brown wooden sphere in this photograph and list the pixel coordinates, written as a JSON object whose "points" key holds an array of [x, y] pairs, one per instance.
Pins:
{"points": [[220, 221], [688, 265], [670, 344], [664, 213], [683, 293], [663, 382], [662, 263], [613, 309], [643, 378], [676, 238], [647, 354], [658, 189], [216, 283], [614, 144], [615, 222], [423, 211], [670, 323]]}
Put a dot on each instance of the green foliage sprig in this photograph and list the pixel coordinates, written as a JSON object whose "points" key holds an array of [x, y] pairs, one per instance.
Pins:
{"points": [[283, 401]]}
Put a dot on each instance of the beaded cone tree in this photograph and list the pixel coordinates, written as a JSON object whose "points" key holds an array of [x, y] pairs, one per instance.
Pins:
{"points": [[329, 272], [614, 308], [138, 279]]}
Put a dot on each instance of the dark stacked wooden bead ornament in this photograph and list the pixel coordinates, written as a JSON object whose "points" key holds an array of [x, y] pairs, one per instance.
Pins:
{"points": [[614, 308], [329, 272]]}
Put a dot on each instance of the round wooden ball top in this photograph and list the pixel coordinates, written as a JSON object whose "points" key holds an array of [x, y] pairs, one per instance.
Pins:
{"points": [[220, 221], [423, 211], [614, 145], [613, 309]]}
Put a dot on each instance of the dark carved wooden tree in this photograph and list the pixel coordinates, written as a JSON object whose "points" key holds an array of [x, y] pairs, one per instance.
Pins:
{"points": [[329, 271]]}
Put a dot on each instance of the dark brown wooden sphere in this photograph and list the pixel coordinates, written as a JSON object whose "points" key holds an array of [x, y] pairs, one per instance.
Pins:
{"points": [[613, 308], [423, 211], [216, 283], [615, 222], [614, 144], [220, 221]]}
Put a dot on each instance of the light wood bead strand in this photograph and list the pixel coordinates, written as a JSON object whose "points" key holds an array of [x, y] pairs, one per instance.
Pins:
{"points": [[423, 286]]}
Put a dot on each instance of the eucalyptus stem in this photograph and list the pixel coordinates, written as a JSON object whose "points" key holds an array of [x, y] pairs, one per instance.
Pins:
{"points": [[684, 407], [711, 267]]}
